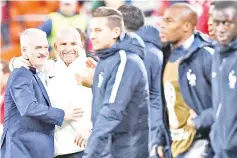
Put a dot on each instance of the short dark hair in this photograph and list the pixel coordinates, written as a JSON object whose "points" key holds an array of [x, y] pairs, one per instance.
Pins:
{"points": [[83, 37], [133, 17], [219, 5], [114, 17], [213, 3]]}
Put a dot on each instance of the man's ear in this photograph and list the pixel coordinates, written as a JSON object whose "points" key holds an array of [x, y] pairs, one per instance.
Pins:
{"points": [[23, 50], [116, 32], [187, 26]]}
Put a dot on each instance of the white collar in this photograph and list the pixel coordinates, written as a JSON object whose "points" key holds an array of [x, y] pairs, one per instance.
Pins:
{"points": [[40, 71], [187, 44]]}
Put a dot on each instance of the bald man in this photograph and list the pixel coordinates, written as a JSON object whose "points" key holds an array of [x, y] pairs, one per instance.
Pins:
{"points": [[65, 93], [187, 82]]}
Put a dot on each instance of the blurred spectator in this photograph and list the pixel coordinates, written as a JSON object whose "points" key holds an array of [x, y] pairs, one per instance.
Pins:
{"points": [[5, 22], [87, 45], [154, 17], [4, 74], [211, 29], [66, 16], [202, 7], [96, 4]]}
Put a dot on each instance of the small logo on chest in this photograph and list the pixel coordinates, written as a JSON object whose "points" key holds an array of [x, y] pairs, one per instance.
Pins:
{"points": [[100, 79], [232, 79], [191, 78], [213, 74]]}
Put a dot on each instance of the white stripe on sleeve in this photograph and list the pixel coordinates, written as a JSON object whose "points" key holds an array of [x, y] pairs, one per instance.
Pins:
{"points": [[119, 75], [210, 50]]}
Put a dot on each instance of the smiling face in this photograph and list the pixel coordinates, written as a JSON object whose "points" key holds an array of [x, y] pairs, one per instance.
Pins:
{"points": [[106, 26], [35, 46], [68, 45], [102, 36]]}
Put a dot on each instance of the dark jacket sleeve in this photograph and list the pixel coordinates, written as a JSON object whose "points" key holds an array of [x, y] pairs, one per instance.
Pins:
{"points": [[22, 92], [118, 93], [205, 118], [155, 109]]}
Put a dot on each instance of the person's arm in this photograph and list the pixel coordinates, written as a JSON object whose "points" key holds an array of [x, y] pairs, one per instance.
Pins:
{"points": [[204, 120], [22, 92], [156, 125], [118, 92], [155, 109], [17, 62]]}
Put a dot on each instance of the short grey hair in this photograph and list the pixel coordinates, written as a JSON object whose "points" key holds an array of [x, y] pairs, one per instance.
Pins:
{"points": [[27, 34]]}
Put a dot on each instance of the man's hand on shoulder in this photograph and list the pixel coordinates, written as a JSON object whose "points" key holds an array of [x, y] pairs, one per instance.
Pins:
{"points": [[21, 61]]}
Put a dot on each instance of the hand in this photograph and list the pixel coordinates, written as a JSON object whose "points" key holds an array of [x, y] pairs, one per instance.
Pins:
{"points": [[91, 63], [85, 78], [73, 114], [192, 113], [80, 141], [158, 150], [21, 61], [192, 116], [190, 121]]}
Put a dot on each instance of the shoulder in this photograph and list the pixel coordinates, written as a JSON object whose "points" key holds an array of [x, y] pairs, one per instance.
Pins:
{"points": [[130, 59], [207, 51], [20, 76], [153, 53], [22, 72]]}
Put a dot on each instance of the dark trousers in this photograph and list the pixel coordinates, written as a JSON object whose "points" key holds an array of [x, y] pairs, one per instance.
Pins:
{"points": [[73, 155]]}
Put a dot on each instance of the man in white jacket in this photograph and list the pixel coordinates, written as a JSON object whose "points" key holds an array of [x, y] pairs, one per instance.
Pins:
{"points": [[65, 93]]}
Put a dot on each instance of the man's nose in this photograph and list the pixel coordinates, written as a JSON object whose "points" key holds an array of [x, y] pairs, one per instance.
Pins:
{"points": [[221, 28], [92, 35]]}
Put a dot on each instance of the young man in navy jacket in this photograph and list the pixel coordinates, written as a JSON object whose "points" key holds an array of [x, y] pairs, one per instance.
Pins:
{"points": [[224, 131], [120, 90]]}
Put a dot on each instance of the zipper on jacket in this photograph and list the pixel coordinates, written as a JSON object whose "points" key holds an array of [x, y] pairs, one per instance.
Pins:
{"points": [[218, 110], [221, 86]]}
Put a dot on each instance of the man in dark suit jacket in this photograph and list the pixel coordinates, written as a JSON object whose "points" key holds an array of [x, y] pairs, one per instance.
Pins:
{"points": [[29, 117]]}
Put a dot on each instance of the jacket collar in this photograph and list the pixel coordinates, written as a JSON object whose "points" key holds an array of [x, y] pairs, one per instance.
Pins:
{"points": [[197, 44], [44, 92], [228, 48]]}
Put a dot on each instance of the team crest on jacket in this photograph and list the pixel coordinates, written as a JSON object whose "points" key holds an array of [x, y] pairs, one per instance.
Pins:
{"points": [[101, 78], [213, 74], [232, 80], [191, 78]]}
